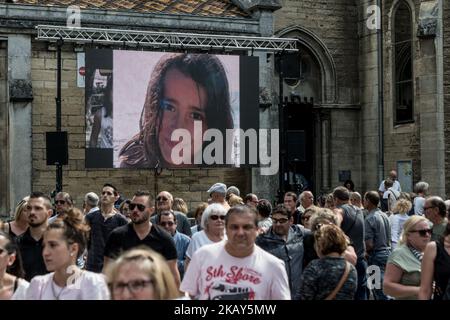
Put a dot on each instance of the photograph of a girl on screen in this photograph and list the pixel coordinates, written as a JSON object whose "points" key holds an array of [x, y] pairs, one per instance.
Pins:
{"points": [[183, 88]]}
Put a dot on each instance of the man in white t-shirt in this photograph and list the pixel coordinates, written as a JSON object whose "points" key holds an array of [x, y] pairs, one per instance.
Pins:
{"points": [[236, 269]]}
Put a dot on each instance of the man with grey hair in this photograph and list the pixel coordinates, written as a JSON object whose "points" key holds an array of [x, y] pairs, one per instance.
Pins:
{"points": [[63, 203], [382, 190], [217, 193], [90, 202], [306, 200], [436, 211], [421, 188], [164, 202], [232, 190]]}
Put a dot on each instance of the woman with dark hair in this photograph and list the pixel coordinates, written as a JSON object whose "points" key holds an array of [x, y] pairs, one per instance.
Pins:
{"points": [[436, 267], [103, 123], [349, 185], [64, 242], [183, 88], [12, 286]]}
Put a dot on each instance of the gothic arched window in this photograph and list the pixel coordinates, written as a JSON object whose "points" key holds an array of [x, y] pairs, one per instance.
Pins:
{"points": [[403, 67]]}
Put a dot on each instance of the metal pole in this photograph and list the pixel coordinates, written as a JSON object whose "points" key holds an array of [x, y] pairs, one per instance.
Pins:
{"points": [[380, 95], [59, 173], [281, 124]]}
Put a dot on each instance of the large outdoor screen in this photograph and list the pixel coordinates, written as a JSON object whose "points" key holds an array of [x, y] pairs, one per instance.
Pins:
{"points": [[170, 110]]}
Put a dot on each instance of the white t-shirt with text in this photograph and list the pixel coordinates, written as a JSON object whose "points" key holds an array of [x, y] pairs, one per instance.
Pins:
{"points": [[214, 274]]}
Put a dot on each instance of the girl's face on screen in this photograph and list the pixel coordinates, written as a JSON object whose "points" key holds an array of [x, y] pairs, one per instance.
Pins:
{"points": [[184, 101]]}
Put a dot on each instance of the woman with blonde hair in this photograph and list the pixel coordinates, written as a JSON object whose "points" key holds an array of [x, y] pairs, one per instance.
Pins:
{"points": [[20, 223], [235, 200], [141, 274], [397, 219], [403, 268], [330, 277], [179, 205]]}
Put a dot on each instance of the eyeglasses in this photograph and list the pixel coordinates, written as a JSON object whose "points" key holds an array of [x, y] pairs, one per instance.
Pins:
{"points": [[215, 217], [168, 223], [140, 207], [426, 208], [423, 232], [60, 202], [161, 199], [280, 221], [133, 286]]}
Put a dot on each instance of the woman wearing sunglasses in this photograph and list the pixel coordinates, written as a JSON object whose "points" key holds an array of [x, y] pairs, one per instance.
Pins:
{"points": [[141, 274], [12, 286], [436, 266], [213, 224], [403, 269], [64, 241]]}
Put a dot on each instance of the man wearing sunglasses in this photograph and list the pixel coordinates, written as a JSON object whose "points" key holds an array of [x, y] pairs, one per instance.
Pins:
{"points": [[285, 241], [436, 211], [63, 203], [141, 232], [164, 202], [168, 221]]}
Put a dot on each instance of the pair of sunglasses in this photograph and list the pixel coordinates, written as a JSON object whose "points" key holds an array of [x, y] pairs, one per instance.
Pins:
{"points": [[215, 217], [140, 207], [423, 232]]}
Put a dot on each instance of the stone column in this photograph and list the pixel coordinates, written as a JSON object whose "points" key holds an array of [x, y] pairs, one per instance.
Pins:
{"points": [[431, 105], [266, 186], [368, 75], [20, 121]]}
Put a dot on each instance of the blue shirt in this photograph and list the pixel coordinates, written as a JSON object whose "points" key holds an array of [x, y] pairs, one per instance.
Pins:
{"points": [[181, 243]]}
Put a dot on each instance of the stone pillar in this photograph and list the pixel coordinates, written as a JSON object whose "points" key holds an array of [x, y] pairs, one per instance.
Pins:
{"points": [[266, 186], [431, 105], [20, 121], [325, 136], [368, 75]]}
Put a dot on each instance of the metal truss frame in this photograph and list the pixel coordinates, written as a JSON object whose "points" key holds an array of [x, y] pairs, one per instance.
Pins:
{"points": [[164, 39]]}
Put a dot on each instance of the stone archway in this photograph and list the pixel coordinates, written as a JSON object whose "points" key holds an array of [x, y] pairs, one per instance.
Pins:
{"points": [[323, 56], [327, 97]]}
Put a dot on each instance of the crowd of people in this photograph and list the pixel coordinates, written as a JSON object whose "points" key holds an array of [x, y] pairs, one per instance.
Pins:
{"points": [[382, 245]]}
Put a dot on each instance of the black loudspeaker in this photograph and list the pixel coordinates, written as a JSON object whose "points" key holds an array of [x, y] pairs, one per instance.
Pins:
{"points": [[57, 148], [296, 145], [290, 65]]}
